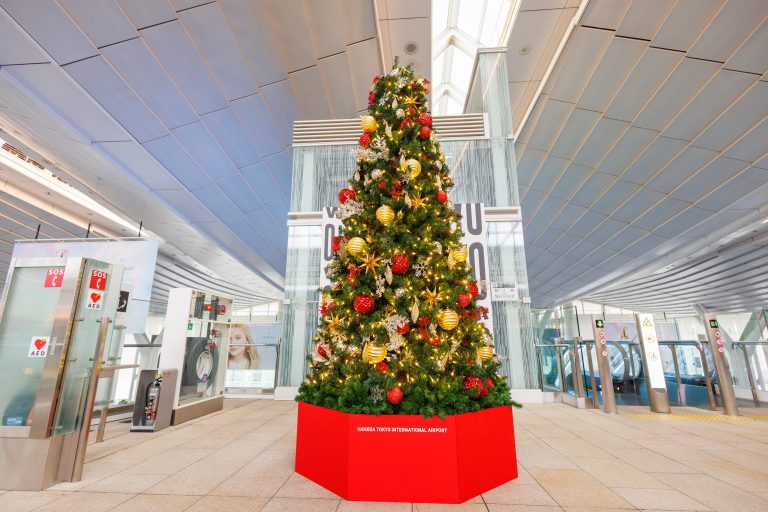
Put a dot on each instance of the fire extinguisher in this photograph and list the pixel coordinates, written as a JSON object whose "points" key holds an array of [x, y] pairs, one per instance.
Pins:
{"points": [[152, 397]]}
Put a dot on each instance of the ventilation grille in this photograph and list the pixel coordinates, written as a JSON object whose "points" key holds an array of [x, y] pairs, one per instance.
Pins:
{"points": [[347, 131]]}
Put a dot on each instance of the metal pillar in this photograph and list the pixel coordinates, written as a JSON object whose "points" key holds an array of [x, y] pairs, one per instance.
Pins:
{"points": [[730, 405], [654, 370], [604, 365]]}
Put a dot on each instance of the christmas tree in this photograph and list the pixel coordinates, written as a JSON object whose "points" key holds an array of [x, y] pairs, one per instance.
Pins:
{"points": [[401, 331]]}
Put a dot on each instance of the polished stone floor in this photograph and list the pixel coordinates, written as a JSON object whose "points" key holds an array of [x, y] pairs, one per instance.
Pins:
{"points": [[241, 459]]}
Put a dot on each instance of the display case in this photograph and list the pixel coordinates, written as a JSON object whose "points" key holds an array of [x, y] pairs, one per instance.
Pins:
{"points": [[195, 342]]}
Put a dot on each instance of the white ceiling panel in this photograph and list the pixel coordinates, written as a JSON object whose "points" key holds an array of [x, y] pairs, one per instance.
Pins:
{"points": [[319, 15], [752, 146], [596, 184], [643, 19], [658, 154], [684, 165], [626, 150], [606, 14], [106, 87], [580, 59], [104, 22], [751, 108], [335, 72], [297, 52], [201, 145], [685, 23], [660, 213], [364, 58], [536, 28], [620, 57], [637, 204], [253, 114], [48, 82], [570, 181], [549, 124], [174, 157], [253, 32], [139, 68], [549, 173], [620, 192], [578, 127], [729, 28], [708, 178], [652, 69], [751, 57], [279, 166], [713, 99], [605, 133], [173, 48], [50, 26], [147, 14], [18, 47], [684, 82], [260, 181], [239, 192], [211, 34], [228, 131], [360, 20], [135, 160], [282, 106], [311, 99]]}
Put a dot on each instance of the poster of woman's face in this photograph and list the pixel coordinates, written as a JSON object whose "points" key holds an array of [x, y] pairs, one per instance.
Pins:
{"points": [[252, 355]]}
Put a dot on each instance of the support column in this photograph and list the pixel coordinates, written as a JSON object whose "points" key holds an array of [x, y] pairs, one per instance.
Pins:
{"points": [[654, 370], [604, 366], [724, 378]]}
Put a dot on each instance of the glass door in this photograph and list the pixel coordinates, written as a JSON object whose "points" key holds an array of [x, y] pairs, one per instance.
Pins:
{"points": [[25, 338], [97, 298]]}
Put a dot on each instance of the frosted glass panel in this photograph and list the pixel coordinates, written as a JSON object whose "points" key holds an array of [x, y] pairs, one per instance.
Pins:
{"points": [[24, 341]]}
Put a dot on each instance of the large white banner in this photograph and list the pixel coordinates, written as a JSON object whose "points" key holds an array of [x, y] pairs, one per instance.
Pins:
{"points": [[475, 238], [138, 258]]}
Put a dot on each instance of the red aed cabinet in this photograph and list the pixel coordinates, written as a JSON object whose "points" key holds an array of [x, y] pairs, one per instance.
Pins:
{"points": [[406, 458]]}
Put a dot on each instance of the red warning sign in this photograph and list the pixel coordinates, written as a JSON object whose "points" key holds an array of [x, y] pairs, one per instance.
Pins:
{"points": [[98, 280], [54, 277]]}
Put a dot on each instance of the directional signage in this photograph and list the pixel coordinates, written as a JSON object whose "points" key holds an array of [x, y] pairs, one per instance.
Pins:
{"points": [[650, 346]]}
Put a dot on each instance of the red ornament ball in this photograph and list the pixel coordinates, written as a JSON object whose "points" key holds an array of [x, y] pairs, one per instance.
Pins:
{"points": [[475, 384], [425, 118], [335, 243], [425, 132], [463, 300], [435, 341], [473, 289], [442, 196], [321, 351], [489, 384], [364, 304], [365, 139], [376, 79], [424, 321], [371, 98], [347, 194], [395, 396], [400, 264], [403, 329], [382, 367]]}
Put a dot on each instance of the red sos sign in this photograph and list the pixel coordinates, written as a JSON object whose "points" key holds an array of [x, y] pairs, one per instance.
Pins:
{"points": [[54, 277], [98, 280]]}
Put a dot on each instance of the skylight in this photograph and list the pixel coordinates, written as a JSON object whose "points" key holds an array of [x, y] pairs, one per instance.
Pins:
{"points": [[459, 28]]}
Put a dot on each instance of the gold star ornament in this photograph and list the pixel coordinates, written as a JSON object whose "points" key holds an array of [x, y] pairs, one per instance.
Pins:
{"points": [[334, 321], [371, 262], [431, 296]]}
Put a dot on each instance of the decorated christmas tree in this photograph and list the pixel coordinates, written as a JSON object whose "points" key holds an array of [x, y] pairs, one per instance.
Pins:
{"points": [[401, 331]]}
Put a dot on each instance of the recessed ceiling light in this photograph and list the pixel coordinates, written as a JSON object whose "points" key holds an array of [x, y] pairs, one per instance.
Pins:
{"points": [[524, 50], [411, 47]]}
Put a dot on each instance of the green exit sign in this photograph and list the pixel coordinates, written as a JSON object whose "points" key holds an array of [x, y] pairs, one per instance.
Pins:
{"points": [[189, 326], [599, 324], [713, 324]]}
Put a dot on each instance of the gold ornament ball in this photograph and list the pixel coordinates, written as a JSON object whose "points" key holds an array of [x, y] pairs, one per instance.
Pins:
{"points": [[442, 157], [460, 255], [385, 214], [368, 124], [485, 352], [448, 319], [374, 353], [355, 246], [413, 166]]}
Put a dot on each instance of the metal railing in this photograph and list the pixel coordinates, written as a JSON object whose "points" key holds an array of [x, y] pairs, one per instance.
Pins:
{"points": [[744, 345]]}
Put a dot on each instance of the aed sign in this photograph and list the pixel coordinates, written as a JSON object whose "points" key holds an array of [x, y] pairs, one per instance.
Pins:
{"points": [[54, 277], [94, 301], [600, 324], [98, 280], [38, 347]]}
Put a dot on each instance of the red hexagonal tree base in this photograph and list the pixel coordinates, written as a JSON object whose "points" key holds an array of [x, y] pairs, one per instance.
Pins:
{"points": [[406, 458]]}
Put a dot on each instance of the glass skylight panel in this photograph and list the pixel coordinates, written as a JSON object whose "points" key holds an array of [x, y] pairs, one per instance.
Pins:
{"points": [[470, 16], [461, 70], [439, 16]]}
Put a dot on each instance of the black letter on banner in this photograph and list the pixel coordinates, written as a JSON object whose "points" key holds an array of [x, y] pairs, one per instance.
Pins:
{"points": [[329, 232], [477, 260], [474, 220]]}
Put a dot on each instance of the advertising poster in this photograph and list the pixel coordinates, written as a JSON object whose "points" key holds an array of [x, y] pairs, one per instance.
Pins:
{"points": [[252, 357]]}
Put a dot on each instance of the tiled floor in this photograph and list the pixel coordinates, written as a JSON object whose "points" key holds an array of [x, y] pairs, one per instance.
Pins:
{"points": [[241, 459]]}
